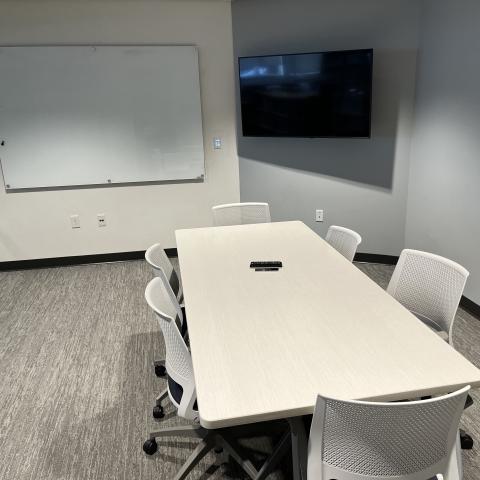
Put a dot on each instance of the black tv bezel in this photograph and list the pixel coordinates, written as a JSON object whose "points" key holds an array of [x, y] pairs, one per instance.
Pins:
{"points": [[370, 50]]}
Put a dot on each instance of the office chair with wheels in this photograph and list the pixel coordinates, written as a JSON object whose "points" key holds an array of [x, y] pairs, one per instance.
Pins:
{"points": [[181, 387], [355, 440], [431, 286], [241, 213], [344, 241], [163, 268]]}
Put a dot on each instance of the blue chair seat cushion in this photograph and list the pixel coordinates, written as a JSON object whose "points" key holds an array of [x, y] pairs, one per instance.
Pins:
{"points": [[176, 391]]}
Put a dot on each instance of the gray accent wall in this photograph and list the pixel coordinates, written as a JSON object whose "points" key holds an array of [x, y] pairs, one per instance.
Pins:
{"points": [[444, 193], [360, 183]]}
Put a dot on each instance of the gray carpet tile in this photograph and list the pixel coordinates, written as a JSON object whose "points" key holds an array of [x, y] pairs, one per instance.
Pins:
{"points": [[77, 346], [77, 385]]}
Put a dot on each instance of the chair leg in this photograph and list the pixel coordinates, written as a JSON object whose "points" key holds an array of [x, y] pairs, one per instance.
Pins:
{"points": [[299, 448], [200, 451], [189, 431], [160, 369], [161, 396], [280, 450], [211, 440], [158, 409]]}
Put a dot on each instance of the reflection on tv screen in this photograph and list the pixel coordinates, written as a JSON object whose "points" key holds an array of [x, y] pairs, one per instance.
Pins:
{"points": [[307, 95]]}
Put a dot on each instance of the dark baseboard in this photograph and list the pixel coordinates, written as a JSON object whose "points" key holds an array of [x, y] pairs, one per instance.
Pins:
{"points": [[470, 306], [74, 260], [376, 258], [78, 260]]}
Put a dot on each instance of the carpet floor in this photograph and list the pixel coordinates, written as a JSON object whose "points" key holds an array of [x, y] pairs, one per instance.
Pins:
{"points": [[77, 385]]}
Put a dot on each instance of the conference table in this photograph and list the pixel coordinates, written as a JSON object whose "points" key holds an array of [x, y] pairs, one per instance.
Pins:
{"points": [[264, 344]]}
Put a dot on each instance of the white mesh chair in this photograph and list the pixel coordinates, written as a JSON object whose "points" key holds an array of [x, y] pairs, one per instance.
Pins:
{"points": [[344, 241], [355, 440], [430, 287], [241, 213], [181, 387], [156, 257], [163, 268]]}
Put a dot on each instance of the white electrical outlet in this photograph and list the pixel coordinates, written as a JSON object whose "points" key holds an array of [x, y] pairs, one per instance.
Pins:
{"points": [[101, 220], [319, 215], [217, 143], [75, 221]]}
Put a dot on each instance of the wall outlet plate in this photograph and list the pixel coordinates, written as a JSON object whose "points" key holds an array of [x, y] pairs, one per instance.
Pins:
{"points": [[217, 143], [101, 220]]}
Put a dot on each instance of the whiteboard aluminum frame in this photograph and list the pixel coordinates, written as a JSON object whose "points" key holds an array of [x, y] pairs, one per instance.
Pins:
{"points": [[108, 183]]}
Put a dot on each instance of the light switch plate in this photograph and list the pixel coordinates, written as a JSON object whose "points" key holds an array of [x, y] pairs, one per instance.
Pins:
{"points": [[75, 221]]}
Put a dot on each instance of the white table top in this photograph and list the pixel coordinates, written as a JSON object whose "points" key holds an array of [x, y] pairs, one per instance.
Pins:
{"points": [[264, 344]]}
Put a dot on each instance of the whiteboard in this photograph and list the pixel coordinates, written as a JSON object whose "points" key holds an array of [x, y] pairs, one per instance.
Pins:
{"points": [[83, 115]]}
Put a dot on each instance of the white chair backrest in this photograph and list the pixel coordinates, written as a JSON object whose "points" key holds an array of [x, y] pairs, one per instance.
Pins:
{"points": [[355, 440], [430, 287], [162, 267], [241, 213], [344, 241], [161, 300]]}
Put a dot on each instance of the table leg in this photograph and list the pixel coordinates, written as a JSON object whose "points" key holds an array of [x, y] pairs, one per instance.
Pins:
{"points": [[280, 449], [299, 448], [232, 449]]}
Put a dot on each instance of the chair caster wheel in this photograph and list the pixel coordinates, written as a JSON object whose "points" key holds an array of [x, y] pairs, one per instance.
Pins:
{"points": [[466, 441], [160, 370], [150, 446], [158, 411]]}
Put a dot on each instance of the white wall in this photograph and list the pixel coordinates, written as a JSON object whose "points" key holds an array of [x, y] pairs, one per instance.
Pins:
{"points": [[444, 195], [360, 183], [36, 224]]}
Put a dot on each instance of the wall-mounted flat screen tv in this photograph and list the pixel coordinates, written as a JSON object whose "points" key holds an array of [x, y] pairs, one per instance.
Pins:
{"points": [[325, 94]]}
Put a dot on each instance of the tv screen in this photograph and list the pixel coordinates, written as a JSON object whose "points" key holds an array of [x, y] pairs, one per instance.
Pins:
{"points": [[325, 94]]}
